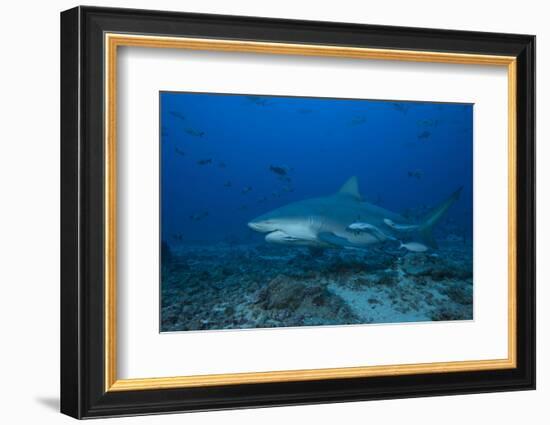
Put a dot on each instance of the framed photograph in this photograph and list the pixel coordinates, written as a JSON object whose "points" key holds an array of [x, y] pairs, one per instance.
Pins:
{"points": [[261, 212]]}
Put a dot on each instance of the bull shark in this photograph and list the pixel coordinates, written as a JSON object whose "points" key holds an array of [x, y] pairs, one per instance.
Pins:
{"points": [[345, 220]]}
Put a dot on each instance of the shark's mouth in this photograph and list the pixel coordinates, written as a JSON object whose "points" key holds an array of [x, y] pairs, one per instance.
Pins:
{"points": [[278, 236]]}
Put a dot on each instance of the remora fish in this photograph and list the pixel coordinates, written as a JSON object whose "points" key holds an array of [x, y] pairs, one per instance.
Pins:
{"points": [[193, 132], [401, 227], [360, 227], [324, 222], [414, 246]]}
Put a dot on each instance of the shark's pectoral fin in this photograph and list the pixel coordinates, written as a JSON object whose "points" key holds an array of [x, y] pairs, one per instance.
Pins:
{"points": [[333, 239]]}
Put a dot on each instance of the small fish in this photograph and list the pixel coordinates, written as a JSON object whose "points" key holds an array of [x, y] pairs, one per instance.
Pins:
{"points": [[257, 100], [227, 184], [262, 200], [414, 246], [428, 123], [164, 132], [401, 227], [177, 115], [416, 173], [424, 135], [222, 164], [358, 120], [305, 111], [281, 171], [358, 228], [199, 216], [246, 189], [288, 189], [193, 132], [179, 151], [178, 237], [400, 107], [243, 207], [276, 194], [204, 161]]}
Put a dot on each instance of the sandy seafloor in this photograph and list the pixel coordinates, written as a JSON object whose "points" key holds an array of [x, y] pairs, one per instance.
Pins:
{"points": [[263, 286]]}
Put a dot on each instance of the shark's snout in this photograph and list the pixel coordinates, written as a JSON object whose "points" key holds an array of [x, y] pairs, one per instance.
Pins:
{"points": [[254, 226], [260, 226]]}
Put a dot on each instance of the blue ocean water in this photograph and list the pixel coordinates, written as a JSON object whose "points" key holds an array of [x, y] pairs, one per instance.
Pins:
{"points": [[226, 159]]}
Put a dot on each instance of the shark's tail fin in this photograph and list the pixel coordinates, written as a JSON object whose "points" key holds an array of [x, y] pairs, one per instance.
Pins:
{"points": [[434, 216]]}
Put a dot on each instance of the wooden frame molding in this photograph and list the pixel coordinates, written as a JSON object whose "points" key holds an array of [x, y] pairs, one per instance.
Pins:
{"points": [[114, 40]]}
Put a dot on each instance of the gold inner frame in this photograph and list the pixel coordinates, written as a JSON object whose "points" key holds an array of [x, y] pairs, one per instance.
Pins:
{"points": [[113, 41]]}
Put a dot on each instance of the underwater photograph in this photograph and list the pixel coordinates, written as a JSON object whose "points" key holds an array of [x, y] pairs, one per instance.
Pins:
{"points": [[281, 211]]}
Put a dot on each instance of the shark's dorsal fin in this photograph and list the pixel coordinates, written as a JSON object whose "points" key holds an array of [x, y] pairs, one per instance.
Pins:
{"points": [[351, 188]]}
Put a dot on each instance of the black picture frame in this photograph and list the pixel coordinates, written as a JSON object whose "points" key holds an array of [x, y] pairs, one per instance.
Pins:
{"points": [[83, 392]]}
